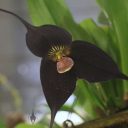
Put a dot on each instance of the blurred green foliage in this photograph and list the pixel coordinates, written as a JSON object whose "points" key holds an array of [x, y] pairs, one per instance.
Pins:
{"points": [[2, 125], [14, 93], [30, 126]]}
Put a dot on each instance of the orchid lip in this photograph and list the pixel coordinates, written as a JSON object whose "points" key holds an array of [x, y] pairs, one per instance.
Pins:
{"points": [[65, 64]]}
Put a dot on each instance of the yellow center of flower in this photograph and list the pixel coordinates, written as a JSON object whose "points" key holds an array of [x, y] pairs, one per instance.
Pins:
{"points": [[57, 52], [60, 54]]}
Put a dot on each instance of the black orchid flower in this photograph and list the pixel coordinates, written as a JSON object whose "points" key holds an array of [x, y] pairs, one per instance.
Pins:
{"points": [[64, 60]]}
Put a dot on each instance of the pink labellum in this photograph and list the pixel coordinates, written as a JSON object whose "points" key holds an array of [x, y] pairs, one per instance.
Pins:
{"points": [[64, 64]]}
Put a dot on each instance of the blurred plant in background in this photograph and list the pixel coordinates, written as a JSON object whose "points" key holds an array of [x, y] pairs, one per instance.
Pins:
{"points": [[110, 34], [4, 82], [9, 93]]}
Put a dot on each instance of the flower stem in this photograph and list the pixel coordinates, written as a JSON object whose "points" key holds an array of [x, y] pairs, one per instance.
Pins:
{"points": [[106, 122]]}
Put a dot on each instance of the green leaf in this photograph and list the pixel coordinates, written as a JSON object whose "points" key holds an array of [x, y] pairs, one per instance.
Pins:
{"points": [[117, 11], [30, 126], [102, 19], [104, 38], [55, 12], [101, 36], [89, 99], [2, 125], [97, 34]]}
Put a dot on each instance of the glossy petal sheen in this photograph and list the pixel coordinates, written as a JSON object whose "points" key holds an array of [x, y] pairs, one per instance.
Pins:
{"points": [[93, 64], [56, 87], [41, 39]]}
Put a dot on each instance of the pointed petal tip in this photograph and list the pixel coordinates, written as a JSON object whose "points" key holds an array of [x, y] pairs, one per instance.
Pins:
{"points": [[53, 114], [25, 23]]}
